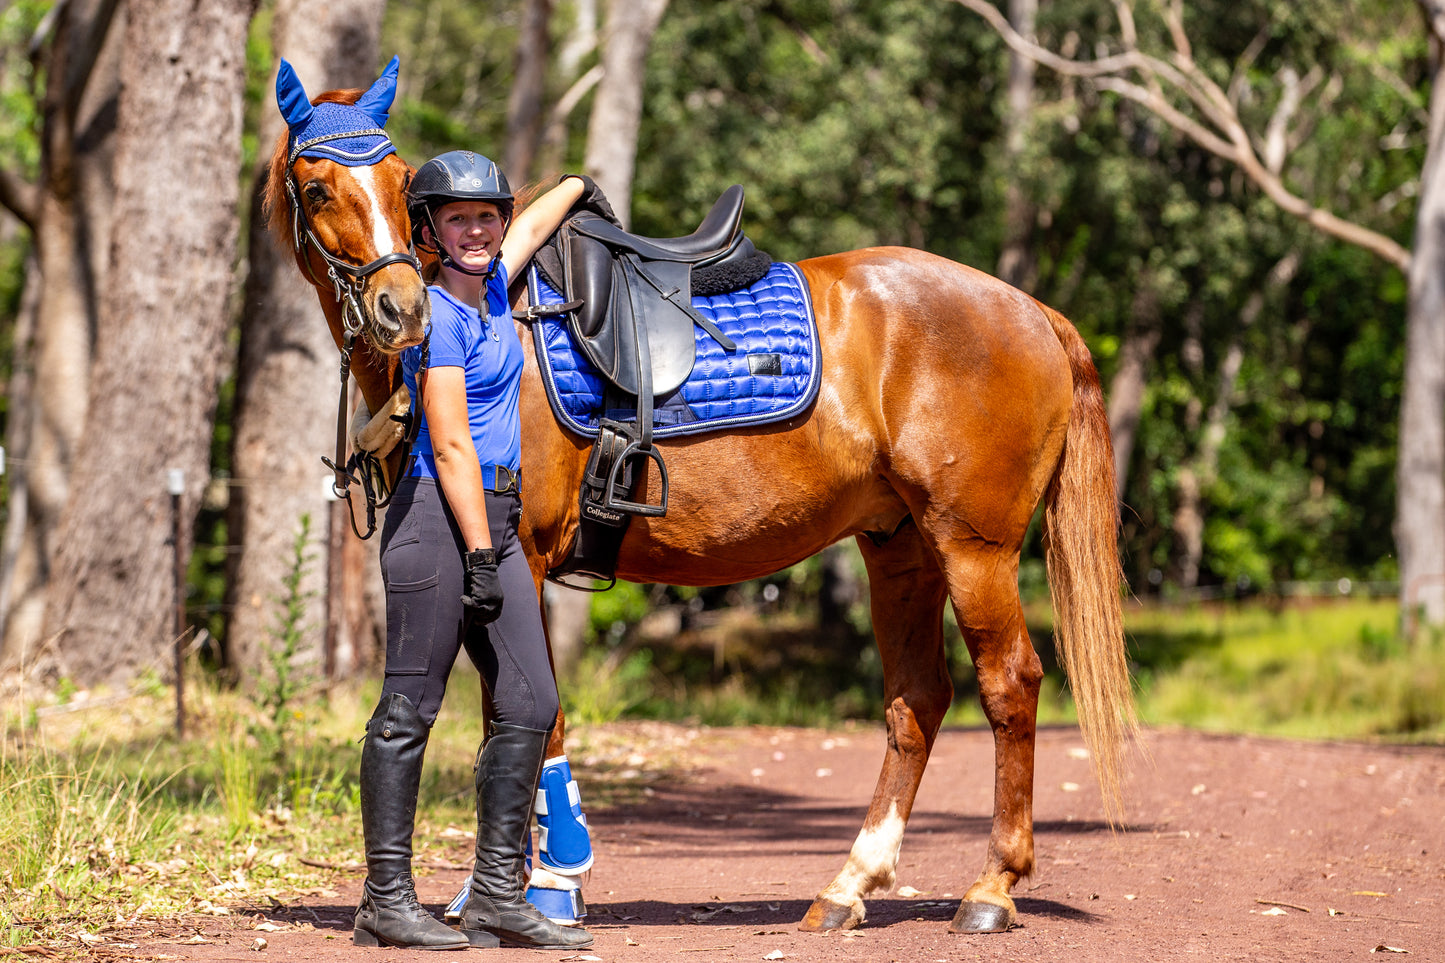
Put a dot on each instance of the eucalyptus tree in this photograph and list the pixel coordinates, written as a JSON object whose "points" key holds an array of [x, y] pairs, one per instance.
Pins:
{"points": [[65, 202], [160, 342], [1296, 100], [285, 400]]}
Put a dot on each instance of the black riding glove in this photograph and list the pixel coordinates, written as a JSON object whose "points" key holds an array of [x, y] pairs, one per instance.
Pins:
{"points": [[481, 589], [592, 198]]}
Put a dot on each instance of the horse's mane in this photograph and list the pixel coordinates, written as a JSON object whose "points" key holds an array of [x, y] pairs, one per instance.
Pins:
{"points": [[273, 199]]}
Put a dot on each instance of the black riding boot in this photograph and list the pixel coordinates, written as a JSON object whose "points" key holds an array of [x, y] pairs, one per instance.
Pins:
{"points": [[507, 772], [391, 757]]}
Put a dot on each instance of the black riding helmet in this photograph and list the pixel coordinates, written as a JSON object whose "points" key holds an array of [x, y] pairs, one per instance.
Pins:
{"points": [[457, 175]]}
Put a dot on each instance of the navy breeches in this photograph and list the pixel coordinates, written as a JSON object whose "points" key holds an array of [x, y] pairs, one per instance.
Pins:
{"points": [[427, 624]]}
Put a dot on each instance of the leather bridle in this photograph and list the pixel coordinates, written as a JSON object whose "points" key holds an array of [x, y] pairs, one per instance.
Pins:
{"points": [[348, 282]]}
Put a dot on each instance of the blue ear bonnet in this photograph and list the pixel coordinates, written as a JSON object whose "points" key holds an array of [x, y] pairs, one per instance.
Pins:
{"points": [[322, 137], [349, 134]]}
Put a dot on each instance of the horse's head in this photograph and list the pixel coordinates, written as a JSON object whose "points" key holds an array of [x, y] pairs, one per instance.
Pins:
{"points": [[336, 193]]}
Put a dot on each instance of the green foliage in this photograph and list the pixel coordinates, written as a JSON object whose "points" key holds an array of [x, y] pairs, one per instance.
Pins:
{"points": [[456, 75], [617, 608], [841, 120], [1139, 229], [277, 692], [606, 686]]}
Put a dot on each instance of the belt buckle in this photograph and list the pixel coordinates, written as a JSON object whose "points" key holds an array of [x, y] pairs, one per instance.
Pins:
{"points": [[497, 487]]}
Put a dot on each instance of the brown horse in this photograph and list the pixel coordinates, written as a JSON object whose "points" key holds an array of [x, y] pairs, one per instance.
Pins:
{"points": [[950, 405]]}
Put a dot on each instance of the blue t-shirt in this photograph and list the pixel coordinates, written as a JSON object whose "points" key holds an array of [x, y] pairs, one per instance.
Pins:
{"points": [[488, 352]]}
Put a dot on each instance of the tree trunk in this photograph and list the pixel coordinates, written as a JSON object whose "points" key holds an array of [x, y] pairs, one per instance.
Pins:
{"points": [[1420, 520], [617, 109], [160, 344], [71, 229], [1126, 388], [1016, 263], [611, 160], [286, 384], [525, 115]]}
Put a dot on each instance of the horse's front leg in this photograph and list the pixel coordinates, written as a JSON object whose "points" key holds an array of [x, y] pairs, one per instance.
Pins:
{"points": [[1009, 674], [907, 592]]}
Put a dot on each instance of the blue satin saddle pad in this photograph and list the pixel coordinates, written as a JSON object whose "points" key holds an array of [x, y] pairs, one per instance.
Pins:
{"points": [[772, 374]]}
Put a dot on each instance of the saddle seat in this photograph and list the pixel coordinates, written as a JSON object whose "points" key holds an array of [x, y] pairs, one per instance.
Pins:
{"points": [[714, 238]]}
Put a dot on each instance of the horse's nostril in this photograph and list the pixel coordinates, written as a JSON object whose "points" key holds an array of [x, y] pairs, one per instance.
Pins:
{"points": [[387, 314]]}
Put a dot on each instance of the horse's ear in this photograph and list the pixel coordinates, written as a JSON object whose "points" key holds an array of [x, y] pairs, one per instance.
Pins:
{"points": [[291, 97], [378, 97]]}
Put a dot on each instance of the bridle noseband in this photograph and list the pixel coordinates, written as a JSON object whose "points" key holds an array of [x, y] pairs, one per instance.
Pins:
{"points": [[347, 282]]}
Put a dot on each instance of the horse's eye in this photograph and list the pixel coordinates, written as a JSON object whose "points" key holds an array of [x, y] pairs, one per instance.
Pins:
{"points": [[315, 192]]}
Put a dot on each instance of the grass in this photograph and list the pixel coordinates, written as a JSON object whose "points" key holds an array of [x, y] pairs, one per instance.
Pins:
{"points": [[1332, 670], [106, 818], [1335, 669]]}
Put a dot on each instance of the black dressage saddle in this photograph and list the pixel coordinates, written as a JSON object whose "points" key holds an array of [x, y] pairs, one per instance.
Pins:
{"points": [[628, 301], [635, 323]]}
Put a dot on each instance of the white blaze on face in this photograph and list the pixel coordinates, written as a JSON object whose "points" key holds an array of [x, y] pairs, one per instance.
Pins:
{"points": [[872, 863], [380, 230]]}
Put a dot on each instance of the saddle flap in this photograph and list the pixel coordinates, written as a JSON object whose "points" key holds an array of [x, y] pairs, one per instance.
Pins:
{"points": [[666, 320], [622, 302]]}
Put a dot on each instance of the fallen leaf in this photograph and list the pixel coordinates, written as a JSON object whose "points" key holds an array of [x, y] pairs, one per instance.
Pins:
{"points": [[1197, 790], [266, 927], [1367, 892], [1382, 948], [1274, 911], [908, 892], [1069, 787], [775, 955], [259, 945]]}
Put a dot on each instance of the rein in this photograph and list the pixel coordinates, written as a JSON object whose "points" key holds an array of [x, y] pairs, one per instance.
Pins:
{"points": [[348, 281]]}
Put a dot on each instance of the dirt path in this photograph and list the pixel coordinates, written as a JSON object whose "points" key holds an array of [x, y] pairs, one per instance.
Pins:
{"points": [[1237, 849]]}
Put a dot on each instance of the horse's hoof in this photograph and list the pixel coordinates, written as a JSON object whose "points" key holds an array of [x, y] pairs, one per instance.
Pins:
{"points": [[981, 918], [825, 916]]}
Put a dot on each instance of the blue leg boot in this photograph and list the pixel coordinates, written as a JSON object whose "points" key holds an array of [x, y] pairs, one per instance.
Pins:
{"points": [[563, 845]]}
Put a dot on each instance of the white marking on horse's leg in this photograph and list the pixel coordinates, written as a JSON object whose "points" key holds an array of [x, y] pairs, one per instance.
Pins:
{"points": [[380, 230], [872, 864]]}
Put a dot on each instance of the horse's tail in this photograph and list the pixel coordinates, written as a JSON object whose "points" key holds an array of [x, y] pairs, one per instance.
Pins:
{"points": [[1081, 548]]}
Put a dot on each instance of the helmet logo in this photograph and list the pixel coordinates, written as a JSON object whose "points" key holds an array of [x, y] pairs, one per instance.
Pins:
{"points": [[471, 158], [476, 182]]}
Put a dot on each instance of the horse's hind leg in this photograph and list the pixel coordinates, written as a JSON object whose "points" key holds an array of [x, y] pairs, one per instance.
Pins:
{"points": [[984, 587], [907, 590]]}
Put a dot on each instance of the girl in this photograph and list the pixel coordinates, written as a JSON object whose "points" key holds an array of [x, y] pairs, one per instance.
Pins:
{"points": [[455, 573]]}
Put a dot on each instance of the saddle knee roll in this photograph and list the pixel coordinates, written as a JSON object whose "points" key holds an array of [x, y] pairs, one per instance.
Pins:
{"points": [[563, 844]]}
